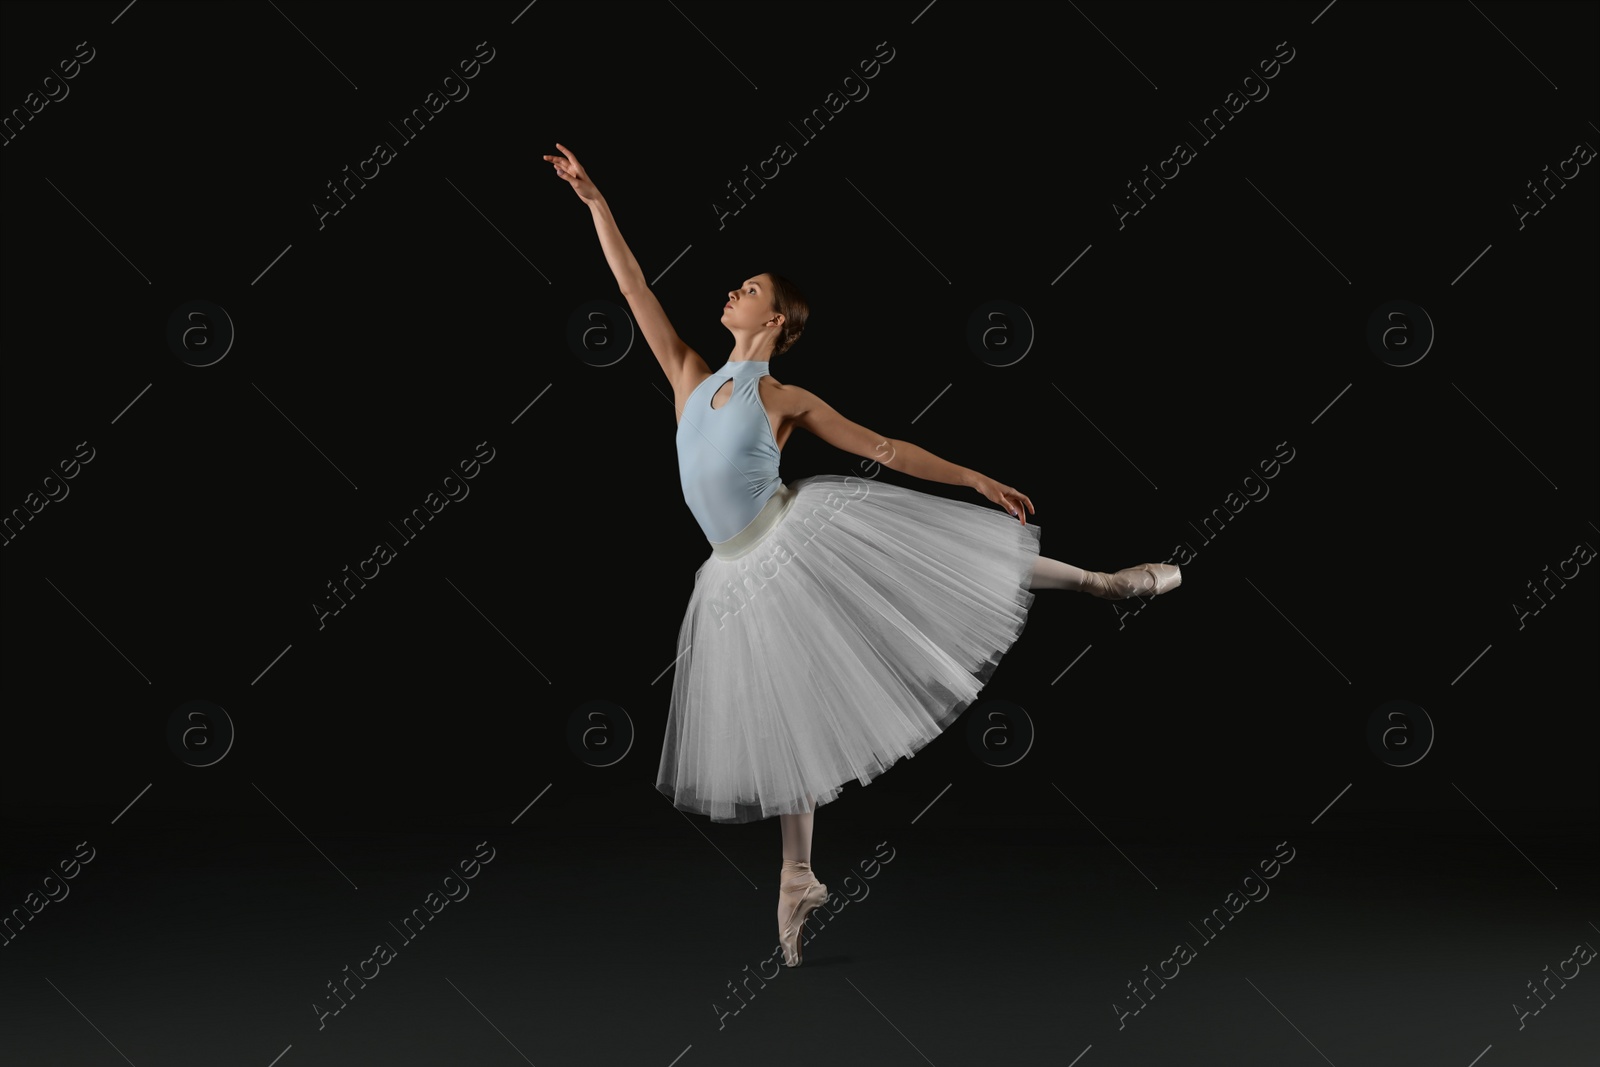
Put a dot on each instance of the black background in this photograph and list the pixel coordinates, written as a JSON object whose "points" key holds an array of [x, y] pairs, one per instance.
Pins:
{"points": [[1182, 347]]}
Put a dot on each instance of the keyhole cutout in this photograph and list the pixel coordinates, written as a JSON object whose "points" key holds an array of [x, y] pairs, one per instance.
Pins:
{"points": [[725, 392]]}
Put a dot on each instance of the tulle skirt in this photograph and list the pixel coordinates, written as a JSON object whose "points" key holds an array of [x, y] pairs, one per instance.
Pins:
{"points": [[846, 627]]}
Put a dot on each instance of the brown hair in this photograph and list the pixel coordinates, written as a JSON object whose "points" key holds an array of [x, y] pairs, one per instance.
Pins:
{"points": [[788, 301]]}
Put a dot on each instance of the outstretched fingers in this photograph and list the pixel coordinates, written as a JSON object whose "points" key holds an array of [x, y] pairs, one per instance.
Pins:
{"points": [[571, 159], [566, 164]]}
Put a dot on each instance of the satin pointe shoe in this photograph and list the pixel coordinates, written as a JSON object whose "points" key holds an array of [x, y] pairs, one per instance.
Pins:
{"points": [[799, 893], [1147, 579]]}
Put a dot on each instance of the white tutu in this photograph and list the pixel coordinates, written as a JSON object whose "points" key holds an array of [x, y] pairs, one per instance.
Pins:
{"points": [[845, 628]]}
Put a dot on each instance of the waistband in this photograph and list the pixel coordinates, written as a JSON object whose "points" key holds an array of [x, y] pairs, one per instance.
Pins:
{"points": [[774, 509]]}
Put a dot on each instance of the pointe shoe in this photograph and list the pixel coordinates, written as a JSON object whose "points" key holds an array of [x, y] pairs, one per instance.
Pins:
{"points": [[1147, 579], [799, 894]]}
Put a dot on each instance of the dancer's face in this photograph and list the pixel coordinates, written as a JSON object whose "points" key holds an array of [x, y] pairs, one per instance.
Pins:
{"points": [[749, 307]]}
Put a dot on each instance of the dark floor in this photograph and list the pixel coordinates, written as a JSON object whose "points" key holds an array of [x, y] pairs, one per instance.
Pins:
{"points": [[1402, 942]]}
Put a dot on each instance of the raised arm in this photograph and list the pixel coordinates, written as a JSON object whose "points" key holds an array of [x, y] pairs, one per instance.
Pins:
{"points": [[811, 412], [679, 362]]}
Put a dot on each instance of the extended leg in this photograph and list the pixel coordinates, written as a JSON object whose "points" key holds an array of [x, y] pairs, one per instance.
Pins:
{"points": [[1053, 574], [1147, 579]]}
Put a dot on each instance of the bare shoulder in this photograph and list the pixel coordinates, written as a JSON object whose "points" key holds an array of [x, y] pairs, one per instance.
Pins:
{"points": [[789, 400]]}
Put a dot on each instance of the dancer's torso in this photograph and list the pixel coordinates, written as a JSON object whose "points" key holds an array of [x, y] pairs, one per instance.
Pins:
{"points": [[728, 455]]}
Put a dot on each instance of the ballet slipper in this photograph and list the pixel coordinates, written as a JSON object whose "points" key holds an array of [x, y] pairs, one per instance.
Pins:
{"points": [[799, 893], [1147, 579]]}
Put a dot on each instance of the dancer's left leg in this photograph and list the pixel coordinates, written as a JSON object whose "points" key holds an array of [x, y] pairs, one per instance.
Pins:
{"points": [[797, 836], [799, 891]]}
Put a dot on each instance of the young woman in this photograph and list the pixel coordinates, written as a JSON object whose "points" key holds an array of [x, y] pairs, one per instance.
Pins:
{"points": [[838, 624]]}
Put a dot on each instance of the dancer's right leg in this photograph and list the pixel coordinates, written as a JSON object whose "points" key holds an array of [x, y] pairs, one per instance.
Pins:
{"points": [[1147, 579], [1053, 574]]}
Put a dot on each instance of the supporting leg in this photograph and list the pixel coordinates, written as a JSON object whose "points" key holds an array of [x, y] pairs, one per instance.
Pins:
{"points": [[797, 836], [799, 891]]}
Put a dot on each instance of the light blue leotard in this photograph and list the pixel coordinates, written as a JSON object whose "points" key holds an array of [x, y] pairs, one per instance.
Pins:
{"points": [[727, 457]]}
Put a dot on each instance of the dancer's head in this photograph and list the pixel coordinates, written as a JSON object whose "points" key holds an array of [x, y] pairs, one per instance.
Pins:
{"points": [[768, 308]]}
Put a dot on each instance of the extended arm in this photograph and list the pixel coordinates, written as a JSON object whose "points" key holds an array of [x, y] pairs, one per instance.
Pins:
{"points": [[918, 462], [816, 415], [675, 357]]}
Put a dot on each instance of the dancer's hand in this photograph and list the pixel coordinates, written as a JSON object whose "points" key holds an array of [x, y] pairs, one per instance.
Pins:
{"points": [[568, 168], [1007, 497]]}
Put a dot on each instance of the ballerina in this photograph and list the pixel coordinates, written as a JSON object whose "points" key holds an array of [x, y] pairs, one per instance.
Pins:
{"points": [[838, 625]]}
